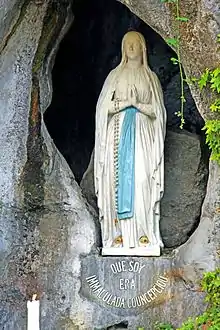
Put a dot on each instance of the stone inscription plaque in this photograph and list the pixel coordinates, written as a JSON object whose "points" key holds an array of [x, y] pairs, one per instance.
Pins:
{"points": [[125, 283]]}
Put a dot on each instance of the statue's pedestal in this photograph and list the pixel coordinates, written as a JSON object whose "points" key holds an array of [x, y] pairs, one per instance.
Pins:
{"points": [[125, 286], [135, 290], [152, 250]]}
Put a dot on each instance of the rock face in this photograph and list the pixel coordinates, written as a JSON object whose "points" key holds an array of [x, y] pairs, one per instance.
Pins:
{"points": [[185, 184], [43, 215], [48, 234], [198, 36]]}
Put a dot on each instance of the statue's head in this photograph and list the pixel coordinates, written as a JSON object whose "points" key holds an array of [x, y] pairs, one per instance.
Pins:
{"points": [[133, 47]]}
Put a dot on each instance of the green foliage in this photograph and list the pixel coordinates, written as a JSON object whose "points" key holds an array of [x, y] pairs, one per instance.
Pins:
{"points": [[172, 42], [211, 79], [215, 80], [174, 60], [211, 285], [175, 43], [182, 19], [188, 325], [212, 131], [215, 106], [210, 319], [168, 1], [202, 82], [163, 326]]}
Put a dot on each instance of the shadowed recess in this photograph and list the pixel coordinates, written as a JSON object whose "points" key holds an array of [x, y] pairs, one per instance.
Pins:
{"points": [[90, 49]]}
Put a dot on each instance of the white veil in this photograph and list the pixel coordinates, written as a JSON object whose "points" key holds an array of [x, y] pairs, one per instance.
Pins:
{"points": [[104, 104]]}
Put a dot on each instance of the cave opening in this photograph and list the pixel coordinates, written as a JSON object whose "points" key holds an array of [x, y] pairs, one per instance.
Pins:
{"points": [[87, 53]]}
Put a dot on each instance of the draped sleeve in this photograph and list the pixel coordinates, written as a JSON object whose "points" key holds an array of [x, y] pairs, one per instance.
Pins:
{"points": [[159, 135], [101, 122]]}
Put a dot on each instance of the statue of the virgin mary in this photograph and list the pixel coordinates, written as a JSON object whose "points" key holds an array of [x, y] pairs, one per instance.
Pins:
{"points": [[129, 154]]}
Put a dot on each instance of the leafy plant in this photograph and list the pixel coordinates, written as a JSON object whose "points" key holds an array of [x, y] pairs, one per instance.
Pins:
{"points": [[210, 319], [211, 79], [175, 43], [172, 42], [215, 106], [202, 82], [168, 1], [163, 326], [212, 131], [211, 284]]}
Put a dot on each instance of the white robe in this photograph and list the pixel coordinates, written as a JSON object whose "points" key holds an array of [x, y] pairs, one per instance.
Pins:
{"points": [[149, 167]]}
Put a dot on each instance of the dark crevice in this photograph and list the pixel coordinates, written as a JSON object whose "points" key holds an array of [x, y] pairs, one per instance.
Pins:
{"points": [[121, 325], [203, 173], [22, 13], [195, 226], [32, 178]]}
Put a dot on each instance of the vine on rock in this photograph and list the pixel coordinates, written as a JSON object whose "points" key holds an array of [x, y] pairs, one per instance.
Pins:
{"points": [[175, 43], [209, 79], [210, 319]]}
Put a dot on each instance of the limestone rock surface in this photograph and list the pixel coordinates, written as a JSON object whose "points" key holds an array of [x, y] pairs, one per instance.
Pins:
{"points": [[48, 230], [185, 186], [198, 36]]}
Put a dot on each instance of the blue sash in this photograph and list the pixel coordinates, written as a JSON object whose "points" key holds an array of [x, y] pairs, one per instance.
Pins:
{"points": [[126, 159]]}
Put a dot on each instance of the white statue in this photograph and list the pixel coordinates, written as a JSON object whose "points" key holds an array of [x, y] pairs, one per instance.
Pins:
{"points": [[129, 154]]}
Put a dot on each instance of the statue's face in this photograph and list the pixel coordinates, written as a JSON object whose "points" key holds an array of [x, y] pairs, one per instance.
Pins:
{"points": [[132, 46]]}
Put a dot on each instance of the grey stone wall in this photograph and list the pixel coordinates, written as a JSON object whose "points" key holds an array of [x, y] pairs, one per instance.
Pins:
{"points": [[48, 237]]}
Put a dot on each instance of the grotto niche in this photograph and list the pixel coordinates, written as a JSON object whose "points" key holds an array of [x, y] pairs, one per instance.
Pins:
{"points": [[87, 53], [49, 242]]}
